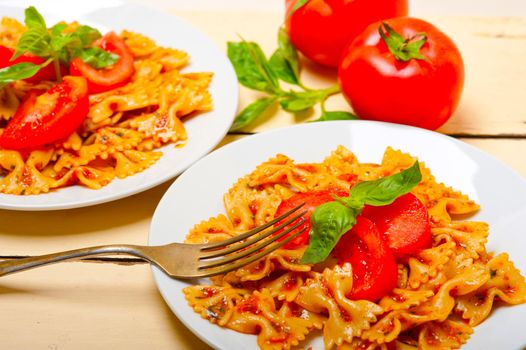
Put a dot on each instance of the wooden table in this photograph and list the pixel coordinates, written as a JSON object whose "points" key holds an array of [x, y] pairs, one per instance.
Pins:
{"points": [[90, 305]]}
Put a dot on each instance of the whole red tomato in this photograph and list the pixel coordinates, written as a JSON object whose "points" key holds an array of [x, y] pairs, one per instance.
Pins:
{"points": [[416, 80], [321, 29]]}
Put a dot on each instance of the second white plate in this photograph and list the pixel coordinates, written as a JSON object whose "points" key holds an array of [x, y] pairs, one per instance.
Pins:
{"points": [[198, 194], [204, 131]]}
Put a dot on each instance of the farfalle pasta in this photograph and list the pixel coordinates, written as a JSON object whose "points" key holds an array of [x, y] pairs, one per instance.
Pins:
{"points": [[442, 291], [123, 129]]}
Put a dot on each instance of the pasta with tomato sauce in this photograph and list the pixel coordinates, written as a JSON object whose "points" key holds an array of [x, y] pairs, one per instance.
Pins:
{"points": [[124, 127], [441, 291]]}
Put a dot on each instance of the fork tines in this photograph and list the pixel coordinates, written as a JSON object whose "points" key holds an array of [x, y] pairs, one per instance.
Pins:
{"points": [[224, 256]]}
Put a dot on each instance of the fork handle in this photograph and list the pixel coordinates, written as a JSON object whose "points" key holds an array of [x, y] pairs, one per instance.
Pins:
{"points": [[16, 265]]}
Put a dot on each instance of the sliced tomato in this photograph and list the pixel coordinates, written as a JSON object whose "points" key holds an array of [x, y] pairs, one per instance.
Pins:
{"points": [[51, 116], [100, 80], [5, 55], [403, 223], [311, 201], [375, 272], [46, 73]]}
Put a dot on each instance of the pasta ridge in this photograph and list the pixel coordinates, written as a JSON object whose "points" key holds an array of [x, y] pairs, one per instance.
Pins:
{"points": [[442, 291], [124, 125]]}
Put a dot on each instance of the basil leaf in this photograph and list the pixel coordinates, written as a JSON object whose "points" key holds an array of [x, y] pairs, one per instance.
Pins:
{"points": [[18, 71], [58, 28], [251, 66], [335, 115], [285, 60], [297, 5], [60, 41], [86, 35], [252, 112], [282, 68], [83, 35], [297, 102], [262, 62], [71, 45], [33, 19], [329, 222], [98, 58], [385, 190], [36, 38], [35, 42], [60, 46], [288, 51], [332, 219]]}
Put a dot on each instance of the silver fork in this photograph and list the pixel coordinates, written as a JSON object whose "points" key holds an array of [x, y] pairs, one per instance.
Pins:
{"points": [[179, 260]]}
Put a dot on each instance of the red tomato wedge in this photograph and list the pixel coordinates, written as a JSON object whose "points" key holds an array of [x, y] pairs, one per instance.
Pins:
{"points": [[374, 267], [5, 55], [46, 73], [311, 200], [51, 116], [403, 223], [100, 80]]}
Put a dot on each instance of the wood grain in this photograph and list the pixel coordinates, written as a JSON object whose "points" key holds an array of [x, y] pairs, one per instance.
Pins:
{"points": [[86, 305], [493, 50]]}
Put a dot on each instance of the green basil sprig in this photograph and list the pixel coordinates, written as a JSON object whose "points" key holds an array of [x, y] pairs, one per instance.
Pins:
{"points": [[55, 46], [332, 219], [256, 72], [36, 39], [251, 66]]}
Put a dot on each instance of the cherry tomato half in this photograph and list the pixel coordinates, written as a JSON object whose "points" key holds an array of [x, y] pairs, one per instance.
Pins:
{"points": [[375, 272], [404, 224], [419, 92], [46, 73], [322, 28], [51, 116], [100, 80], [311, 201]]}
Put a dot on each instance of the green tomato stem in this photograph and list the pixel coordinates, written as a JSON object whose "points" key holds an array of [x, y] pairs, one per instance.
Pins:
{"points": [[323, 92], [332, 90], [403, 49], [322, 106]]}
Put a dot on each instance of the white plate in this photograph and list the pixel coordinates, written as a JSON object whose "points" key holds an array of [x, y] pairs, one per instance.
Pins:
{"points": [[197, 195], [204, 131]]}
